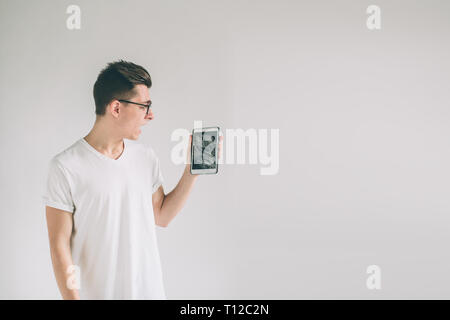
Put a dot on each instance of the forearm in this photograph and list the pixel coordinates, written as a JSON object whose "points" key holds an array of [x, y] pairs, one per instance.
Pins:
{"points": [[175, 200], [62, 260]]}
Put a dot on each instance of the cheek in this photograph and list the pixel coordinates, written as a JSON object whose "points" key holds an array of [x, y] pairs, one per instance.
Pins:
{"points": [[129, 123], [133, 120]]}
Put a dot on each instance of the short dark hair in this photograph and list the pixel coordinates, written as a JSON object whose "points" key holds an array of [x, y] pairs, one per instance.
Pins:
{"points": [[117, 80]]}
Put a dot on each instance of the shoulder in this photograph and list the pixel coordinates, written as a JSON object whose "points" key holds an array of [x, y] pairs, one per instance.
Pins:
{"points": [[143, 148], [67, 156], [137, 147]]}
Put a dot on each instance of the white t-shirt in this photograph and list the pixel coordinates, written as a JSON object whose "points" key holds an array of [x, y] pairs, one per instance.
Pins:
{"points": [[114, 239]]}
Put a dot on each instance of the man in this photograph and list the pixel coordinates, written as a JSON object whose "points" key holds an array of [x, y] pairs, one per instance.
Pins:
{"points": [[101, 222]]}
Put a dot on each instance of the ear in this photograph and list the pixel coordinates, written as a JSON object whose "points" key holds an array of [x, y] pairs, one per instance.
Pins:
{"points": [[113, 106]]}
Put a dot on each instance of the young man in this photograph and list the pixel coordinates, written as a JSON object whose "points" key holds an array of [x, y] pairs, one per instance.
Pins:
{"points": [[104, 197]]}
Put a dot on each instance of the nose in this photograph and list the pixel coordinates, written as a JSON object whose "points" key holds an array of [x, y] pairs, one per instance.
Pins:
{"points": [[150, 114]]}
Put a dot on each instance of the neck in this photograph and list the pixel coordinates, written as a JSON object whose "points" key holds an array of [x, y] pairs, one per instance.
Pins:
{"points": [[103, 139]]}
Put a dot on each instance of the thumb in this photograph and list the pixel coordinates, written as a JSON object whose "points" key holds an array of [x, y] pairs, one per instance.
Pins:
{"points": [[188, 151]]}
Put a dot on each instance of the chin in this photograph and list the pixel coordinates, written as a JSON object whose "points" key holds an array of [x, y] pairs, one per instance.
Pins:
{"points": [[133, 137]]}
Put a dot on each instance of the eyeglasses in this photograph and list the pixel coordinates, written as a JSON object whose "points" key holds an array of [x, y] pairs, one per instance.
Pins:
{"points": [[139, 104]]}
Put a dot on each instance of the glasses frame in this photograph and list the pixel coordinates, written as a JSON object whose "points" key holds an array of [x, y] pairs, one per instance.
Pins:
{"points": [[139, 104]]}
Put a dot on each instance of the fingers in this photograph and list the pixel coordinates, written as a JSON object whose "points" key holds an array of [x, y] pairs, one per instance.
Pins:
{"points": [[188, 150], [220, 146]]}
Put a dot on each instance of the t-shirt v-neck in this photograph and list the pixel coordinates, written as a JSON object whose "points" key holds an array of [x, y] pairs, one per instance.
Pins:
{"points": [[101, 155]]}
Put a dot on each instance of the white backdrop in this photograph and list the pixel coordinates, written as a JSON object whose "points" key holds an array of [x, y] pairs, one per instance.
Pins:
{"points": [[363, 117]]}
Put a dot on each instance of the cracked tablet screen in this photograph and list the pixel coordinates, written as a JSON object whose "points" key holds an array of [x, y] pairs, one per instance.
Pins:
{"points": [[204, 150]]}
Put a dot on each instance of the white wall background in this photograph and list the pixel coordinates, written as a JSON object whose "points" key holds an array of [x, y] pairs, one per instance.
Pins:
{"points": [[364, 139]]}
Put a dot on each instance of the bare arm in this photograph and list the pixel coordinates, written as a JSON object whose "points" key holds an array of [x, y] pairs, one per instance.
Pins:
{"points": [[59, 224], [166, 207]]}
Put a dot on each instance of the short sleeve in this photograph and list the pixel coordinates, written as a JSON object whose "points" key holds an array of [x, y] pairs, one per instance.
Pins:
{"points": [[157, 177], [57, 191]]}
